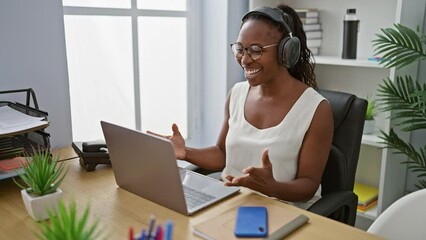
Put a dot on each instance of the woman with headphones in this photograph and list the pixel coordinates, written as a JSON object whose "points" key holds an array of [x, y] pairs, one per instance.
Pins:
{"points": [[277, 130]]}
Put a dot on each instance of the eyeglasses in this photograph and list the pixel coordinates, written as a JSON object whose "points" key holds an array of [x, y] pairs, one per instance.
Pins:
{"points": [[254, 51]]}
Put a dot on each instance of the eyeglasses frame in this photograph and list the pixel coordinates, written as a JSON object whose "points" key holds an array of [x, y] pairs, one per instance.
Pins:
{"points": [[245, 49]]}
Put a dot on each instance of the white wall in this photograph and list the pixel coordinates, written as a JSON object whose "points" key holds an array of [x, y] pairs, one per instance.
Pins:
{"points": [[236, 10], [32, 47], [219, 71], [32, 55]]}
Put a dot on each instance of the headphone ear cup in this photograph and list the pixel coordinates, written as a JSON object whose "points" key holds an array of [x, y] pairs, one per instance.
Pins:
{"points": [[281, 51], [289, 51]]}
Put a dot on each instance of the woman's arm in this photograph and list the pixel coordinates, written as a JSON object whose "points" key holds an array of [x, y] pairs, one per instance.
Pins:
{"points": [[210, 158]]}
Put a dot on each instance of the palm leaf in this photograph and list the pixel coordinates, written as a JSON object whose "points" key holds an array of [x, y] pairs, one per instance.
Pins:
{"points": [[416, 161], [403, 98], [400, 46]]}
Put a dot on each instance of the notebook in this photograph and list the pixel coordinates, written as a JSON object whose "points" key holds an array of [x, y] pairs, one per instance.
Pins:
{"points": [[282, 221], [366, 193], [145, 165]]}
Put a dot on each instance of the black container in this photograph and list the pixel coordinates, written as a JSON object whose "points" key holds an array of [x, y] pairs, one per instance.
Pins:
{"points": [[350, 34]]}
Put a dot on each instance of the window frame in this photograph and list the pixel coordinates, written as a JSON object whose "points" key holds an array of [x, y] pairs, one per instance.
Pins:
{"points": [[193, 64]]}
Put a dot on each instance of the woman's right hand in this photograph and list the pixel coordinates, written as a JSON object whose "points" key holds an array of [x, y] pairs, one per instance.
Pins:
{"points": [[178, 142]]}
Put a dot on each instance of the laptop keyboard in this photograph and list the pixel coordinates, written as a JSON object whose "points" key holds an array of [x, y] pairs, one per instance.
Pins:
{"points": [[195, 198]]}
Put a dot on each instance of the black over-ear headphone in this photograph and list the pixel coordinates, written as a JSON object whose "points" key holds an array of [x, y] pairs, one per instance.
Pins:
{"points": [[289, 47]]}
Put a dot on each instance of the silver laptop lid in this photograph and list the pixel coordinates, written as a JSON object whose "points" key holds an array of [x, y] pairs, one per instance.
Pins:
{"points": [[151, 174]]}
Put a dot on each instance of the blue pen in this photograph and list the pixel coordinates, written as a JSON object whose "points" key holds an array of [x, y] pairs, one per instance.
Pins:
{"points": [[168, 231], [143, 235]]}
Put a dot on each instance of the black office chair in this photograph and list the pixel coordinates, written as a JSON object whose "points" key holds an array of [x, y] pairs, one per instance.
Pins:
{"points": [[338, 201]]}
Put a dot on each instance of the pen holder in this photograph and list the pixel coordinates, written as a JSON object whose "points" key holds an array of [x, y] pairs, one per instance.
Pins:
{"points": [[154, 232]]}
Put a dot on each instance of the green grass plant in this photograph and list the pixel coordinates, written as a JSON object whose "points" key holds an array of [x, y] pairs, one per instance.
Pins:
{"points": [[371, 109], [66, 225], [42, 174]]}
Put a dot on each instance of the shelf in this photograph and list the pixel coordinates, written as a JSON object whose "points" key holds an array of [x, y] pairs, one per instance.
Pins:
{"points": [[11, 174], [372, 140], [334, 60]]}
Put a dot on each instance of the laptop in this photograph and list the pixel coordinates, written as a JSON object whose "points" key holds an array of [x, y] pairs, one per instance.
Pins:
{"points": [[146, 165]]}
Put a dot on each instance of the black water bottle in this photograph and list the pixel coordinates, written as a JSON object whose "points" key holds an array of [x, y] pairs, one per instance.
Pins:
{"points": [[350, 34]]}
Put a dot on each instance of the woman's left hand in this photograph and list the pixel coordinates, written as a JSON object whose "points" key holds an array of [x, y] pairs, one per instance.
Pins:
{"points": [[257, 178]]}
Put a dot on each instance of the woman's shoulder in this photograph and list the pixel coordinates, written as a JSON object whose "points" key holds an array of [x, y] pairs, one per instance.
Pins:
{"points": [[242, 84], [309, 93], [313, 93], [240, 88]]}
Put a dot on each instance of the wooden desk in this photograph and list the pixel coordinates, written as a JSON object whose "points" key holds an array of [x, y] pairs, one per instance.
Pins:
{"points": [[118, 209]]}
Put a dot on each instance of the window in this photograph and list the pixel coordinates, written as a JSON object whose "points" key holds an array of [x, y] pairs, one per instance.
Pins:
{"points": [[128, 64]]}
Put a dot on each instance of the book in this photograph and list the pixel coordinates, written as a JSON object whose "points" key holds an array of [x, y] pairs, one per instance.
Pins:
{"points": [[307, 12], [366, 194], [309, 20], [281, 222], [363, 209], [311, 27], [311, 43], [313, 34]]}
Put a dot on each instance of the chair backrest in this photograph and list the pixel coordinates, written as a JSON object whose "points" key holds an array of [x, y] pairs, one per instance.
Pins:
{"points": [[404, 219], [349, 115]]}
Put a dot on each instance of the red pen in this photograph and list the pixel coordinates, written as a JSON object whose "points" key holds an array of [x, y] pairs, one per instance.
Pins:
{"points": [[131, 237], [159, 233]]}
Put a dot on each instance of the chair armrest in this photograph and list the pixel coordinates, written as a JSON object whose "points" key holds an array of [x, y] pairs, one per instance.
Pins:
{"points": [[337, 201]]}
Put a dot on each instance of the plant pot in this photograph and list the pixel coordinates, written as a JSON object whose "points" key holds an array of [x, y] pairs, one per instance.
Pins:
{"points": [[369, 126], [38, 206]]}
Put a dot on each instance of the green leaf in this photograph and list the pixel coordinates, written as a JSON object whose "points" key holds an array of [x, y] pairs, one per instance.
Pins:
{"points": [[400, 46], [416, 161], [42, 173], [68, 225]]}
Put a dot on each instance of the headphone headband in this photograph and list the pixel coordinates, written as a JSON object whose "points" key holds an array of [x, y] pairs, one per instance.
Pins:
{"points": [[289, 46], [273, 13]]}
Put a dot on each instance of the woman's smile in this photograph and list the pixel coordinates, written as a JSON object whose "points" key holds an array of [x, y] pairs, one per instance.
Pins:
{"points": [[251, 72]]}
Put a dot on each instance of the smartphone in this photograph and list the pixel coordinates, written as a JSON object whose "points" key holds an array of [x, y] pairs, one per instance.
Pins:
{"points": [[251, 221]]}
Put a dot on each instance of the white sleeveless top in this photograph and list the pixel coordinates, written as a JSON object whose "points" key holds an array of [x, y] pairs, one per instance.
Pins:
{"points": [[245, 143]]}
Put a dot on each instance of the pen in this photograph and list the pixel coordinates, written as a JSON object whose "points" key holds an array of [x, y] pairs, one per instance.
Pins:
{"points": [[168, 230], [151, 226], [159, 233], [131, 233], [143, 235]]}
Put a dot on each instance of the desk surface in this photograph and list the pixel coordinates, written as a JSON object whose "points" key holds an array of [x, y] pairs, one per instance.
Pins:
{"points": [[118, 209]]}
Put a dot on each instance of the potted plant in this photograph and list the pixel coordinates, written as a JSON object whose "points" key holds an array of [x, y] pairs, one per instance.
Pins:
{"points": [[370, 114], [405, 97], [42, 175], [67, 225]]}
